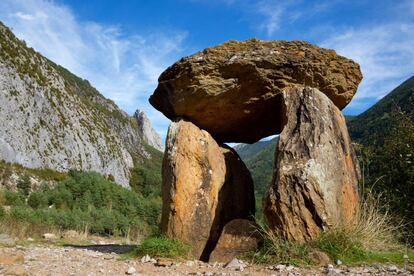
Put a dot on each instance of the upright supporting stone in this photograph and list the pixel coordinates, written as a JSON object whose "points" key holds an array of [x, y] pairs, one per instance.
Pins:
{"points": [[314, 185], [202, 189]]}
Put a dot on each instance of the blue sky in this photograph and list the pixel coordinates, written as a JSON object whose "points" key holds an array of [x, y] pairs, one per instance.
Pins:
{"points": [[122, 46]]}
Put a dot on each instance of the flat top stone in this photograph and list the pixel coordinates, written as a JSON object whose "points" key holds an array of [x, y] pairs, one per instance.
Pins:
{"points": [[233, 90]]}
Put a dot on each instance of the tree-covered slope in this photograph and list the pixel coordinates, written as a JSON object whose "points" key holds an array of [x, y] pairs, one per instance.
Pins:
{"points": [[259, 158], [368, 128]]}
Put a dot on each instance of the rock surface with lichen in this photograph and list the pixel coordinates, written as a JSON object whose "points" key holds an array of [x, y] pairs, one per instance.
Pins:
{"points": [[315, 181], [234, 90], [205, 185]]}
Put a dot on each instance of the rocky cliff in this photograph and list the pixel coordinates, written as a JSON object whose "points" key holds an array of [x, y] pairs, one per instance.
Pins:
{"points": [[148, 133], [51, 118]]}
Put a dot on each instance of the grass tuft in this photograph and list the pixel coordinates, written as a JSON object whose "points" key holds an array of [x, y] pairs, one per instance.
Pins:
{"points": [[372, 236], [160, 246]]}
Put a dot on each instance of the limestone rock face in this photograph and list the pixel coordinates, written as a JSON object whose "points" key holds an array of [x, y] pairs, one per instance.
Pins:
{"points": [[50, 118], [315, 173], [201, 188], [234, 90], [147, 131], [239, 236]]}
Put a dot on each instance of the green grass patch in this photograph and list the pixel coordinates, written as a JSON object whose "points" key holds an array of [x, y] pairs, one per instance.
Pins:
{"points": [[281, 251], [160, 246], [339, 246], [396, 257]]}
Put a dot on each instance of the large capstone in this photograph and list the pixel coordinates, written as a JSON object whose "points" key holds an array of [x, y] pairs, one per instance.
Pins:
{"points": [[205, 185], [315, 179], [234, 90]]}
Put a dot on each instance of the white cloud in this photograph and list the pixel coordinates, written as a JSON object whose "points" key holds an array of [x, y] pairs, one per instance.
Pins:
{"points": [[24, 16], [385, 54], [124, 68], [272, 12]]}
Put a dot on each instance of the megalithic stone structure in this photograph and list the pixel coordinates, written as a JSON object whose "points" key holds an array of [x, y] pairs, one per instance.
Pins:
{"points": [[243, 91]]}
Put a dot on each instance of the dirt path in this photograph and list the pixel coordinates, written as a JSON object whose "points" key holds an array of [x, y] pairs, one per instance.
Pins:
{"points": [[41, 259]]}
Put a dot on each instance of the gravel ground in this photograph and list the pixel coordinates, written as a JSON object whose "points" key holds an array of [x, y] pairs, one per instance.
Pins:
{"points": [[45, 259]]}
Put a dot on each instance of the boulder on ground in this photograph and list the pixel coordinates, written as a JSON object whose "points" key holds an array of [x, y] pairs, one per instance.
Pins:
{"points": [[49, 236], [319, 258], [239, 236], [234, 90], [203, 188], [314, 186]]}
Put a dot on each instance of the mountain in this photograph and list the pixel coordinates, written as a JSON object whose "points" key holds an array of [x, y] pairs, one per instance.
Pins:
{"points": [[258, 158], [368, 127], [149, 134], [50, 118]]}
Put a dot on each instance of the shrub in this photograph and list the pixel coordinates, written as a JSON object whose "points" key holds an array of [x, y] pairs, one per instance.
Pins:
{"points": [[24, 185], [13, 199], [37, 200]]}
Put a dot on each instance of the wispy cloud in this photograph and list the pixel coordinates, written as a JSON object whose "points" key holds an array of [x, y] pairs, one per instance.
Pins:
{"points": [[385, 54], [123, 67]]}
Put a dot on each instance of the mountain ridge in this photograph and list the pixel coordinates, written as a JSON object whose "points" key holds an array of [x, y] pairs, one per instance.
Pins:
{"points": [[51, 118]]}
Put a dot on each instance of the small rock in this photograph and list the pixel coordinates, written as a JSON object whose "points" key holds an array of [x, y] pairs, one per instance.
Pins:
{"points": [[131, 270], [30, 239], [164, 262], [338, 262], [49, 236], [393, 268], [234, 263], [280, 267], [290, 268], [189, 263], [14, 271], [330, 266], [145, 259]]}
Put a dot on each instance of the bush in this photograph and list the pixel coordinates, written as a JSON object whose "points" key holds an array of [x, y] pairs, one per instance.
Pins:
{"points": [[13, 199], [388, 166], [37, 200], [24, 185]]}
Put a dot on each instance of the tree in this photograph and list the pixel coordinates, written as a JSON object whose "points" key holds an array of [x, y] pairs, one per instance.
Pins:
{"points": [[24, 185], [394, 163]]}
